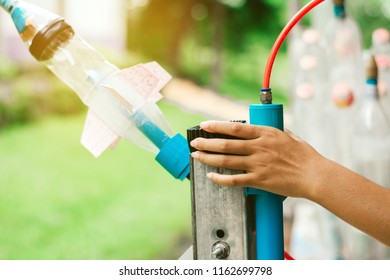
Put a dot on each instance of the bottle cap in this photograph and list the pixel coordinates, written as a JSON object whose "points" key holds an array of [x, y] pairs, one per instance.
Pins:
{"points": [[339, 2], [45, 37]]}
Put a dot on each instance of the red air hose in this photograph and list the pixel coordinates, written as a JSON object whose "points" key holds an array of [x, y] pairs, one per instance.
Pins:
{"points": [[288, 257], [279, 41]]}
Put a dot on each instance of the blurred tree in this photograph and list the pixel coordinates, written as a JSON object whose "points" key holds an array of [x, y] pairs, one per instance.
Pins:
{"points": [[163, 24], [262, 19], [218, 18], [160, 28], [370, 15]]}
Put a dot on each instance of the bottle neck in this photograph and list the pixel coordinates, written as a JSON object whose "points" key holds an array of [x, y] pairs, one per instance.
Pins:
{"points": [[339, 12], [18, 14], [8, 5], [372, 89]]}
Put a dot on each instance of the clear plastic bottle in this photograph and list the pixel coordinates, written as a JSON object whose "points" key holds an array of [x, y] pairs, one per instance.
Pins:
{"points": [[343, 45], [295, 47], [320, 15], [314, 233], [381, 50], [120, 107], [370, 146], [370, 143], [342, 41], [310, 90]]}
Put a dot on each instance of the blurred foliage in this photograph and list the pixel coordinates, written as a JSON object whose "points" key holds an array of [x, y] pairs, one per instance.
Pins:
{"points": [[8, 68], [370, 15], [160, 28], [36, 94], [208, 40]]}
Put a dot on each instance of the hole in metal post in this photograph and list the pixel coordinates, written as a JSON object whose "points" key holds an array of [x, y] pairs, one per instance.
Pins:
{"points": [[220, 233]]}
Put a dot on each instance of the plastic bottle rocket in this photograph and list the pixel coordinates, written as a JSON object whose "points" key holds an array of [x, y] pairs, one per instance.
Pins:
{"points": [[121, 102], [342, 41], [370, 147], [381, 51]]}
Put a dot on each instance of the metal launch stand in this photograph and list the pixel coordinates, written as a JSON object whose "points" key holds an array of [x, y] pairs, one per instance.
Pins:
{"points": [[236, 223]]}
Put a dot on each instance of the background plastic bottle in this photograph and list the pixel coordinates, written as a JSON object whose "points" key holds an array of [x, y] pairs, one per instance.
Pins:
{"points": [[309, 88], [370, 146], [381, 50], [294, 46], [314, 234], [343, 45]]}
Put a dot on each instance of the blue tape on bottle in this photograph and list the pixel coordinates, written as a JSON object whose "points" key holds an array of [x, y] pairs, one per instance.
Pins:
{"points": [[339, 11], [19, 19]]}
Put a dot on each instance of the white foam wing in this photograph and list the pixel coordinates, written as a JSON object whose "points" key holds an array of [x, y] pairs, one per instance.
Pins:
{"points": [[97, 136]]}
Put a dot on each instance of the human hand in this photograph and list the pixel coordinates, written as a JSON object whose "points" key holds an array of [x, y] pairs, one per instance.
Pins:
{"points": [[274, 160]]}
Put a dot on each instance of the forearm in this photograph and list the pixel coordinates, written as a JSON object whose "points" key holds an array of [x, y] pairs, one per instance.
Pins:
{"points": [[358, 201]]}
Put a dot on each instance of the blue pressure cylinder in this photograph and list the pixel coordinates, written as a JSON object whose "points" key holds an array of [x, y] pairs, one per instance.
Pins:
{"points": [[269, 206]]}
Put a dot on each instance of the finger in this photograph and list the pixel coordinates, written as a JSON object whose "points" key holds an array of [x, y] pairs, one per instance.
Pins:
{"points": [[222, 161], [237, 180], [239, 130], [224, 146]]}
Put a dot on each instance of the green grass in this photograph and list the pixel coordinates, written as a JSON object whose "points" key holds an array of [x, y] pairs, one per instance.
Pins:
{"points": [[58, 202]]}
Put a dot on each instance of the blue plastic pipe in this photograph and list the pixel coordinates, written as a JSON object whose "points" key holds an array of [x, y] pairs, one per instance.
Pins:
{"points": [[269, 206], [174, 152], [156, 135]]}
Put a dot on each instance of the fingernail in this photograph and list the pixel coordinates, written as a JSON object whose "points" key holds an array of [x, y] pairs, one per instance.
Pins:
{"points": [[194, 143], [195, 155], [209, 175]]}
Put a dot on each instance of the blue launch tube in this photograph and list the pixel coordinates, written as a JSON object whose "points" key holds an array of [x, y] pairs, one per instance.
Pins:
{"points": [[156, 135], [269, 206], [174, 152]]}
